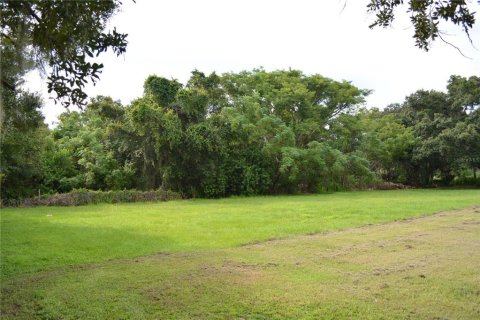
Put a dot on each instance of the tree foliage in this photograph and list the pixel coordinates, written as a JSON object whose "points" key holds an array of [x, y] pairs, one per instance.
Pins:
{"points": [[426, 17], [446, 127], [247, 133], [63, 36]]}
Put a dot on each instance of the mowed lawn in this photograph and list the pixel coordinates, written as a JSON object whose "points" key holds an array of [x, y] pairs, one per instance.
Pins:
{"points": [[42, 238], [207, 259]]}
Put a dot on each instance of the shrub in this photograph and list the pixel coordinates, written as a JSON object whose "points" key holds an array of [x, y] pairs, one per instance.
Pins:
{"points": [[466, 182], [81, 197], [386, 185]]}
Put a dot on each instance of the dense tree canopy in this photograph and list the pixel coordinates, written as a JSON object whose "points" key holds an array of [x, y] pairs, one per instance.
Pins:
{"points": [[446, 127], [247, 133]]}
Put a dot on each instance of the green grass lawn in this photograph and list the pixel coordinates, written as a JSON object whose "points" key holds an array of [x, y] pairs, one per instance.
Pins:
{"points": [[42, 238], [190, 261]]}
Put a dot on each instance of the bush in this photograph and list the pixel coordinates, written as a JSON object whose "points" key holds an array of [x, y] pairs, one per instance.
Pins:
{"points": [[386, 185], [81, 197], [466, 182]]}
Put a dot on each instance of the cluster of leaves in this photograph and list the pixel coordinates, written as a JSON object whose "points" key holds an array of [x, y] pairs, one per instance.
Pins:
{"points": [[61, 35], [255, 132], [425, 16]]}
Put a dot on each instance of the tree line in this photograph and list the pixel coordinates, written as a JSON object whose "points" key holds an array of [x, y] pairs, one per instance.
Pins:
{"points": [[248, 133]]}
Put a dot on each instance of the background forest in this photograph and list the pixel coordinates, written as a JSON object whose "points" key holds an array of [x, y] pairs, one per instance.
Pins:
{"points": [[248, 133]]}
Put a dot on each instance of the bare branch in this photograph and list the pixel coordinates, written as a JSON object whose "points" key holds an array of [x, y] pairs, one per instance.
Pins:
{"points": [[31, 12], [344, 6], [452, 45]]}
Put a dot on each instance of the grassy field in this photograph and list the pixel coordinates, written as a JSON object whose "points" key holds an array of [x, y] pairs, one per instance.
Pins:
{"points": [[210, 258]]}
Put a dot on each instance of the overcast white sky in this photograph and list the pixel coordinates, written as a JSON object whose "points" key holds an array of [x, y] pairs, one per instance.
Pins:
{"points": [[170, 38]]}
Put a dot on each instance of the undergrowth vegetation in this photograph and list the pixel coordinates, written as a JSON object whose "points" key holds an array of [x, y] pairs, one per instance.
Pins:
{"points": [[79, 197]]}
